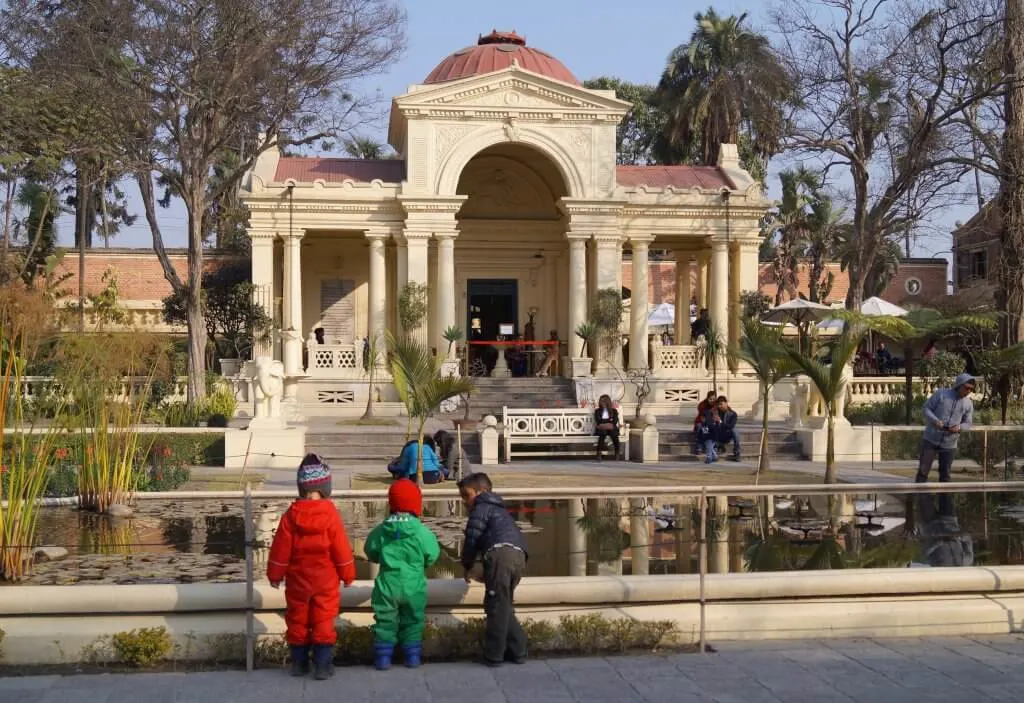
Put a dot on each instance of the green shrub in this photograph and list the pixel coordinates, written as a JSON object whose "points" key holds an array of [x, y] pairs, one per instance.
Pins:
{"points": [[143, 647], [891, 411], [187, 448], [906, 444], [221, 402]]}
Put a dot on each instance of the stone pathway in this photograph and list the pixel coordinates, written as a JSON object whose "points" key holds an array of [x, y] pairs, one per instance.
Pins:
{"points": [[950, 670]]}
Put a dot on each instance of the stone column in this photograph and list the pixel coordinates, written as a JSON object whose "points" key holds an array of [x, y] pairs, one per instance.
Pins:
{"points": [[577, 539], [401, 276], [683, 295], [719, 298], [262, 258], [577, 293], [734, 294], [416, 271], [638, 306], [293, 305], [703, 280], [377, 301], [445, 287], [609, 268], [639, 537]]}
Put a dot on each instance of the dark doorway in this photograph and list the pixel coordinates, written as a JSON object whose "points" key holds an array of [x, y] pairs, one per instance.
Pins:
{"points": [[492, 305], [492, 302]]}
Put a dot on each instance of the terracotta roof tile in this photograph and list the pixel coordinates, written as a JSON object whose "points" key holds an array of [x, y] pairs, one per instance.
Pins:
{"points": [[707, 177], [496, 52], [305, 169]]}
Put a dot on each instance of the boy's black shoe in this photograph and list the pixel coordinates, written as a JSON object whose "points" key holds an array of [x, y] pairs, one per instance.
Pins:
{"points": [[300, 661], [518, 661], [323, 666], [489, 662]]}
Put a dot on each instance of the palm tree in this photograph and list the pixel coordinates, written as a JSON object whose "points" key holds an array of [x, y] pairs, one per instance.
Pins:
{"points": [[364, 148], [418, 380], [791, 223], [922, 324], [373, 351], [713, 349], [825, 225], [725, 85], [761, 346], [883, 270], [830, 382]]}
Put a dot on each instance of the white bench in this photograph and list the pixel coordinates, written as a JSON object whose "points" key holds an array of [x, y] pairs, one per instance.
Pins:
{"points": [[554, 427]]}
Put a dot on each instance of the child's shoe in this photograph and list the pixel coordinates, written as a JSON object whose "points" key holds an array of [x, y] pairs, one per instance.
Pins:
{"points": [[382, 652], [300, 660], [323, 666], [413, 653]]}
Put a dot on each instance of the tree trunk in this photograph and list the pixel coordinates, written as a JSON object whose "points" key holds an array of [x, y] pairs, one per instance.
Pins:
{"points": [[195, 314], [830, 447], [368, 413], [81, 239], [8, 212], [1010, 299], [762, 462], [419, 454], [908, 390]]}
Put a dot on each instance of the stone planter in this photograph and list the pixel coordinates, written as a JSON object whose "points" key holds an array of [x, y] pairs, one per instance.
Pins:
{"points": [[230, 367], [578, 367]]}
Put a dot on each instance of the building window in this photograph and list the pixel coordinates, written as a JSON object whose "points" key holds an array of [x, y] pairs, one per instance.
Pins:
{"points": [[971, 266]]}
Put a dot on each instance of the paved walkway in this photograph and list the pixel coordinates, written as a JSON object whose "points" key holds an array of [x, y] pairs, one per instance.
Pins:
{"points": [[949, 670]]}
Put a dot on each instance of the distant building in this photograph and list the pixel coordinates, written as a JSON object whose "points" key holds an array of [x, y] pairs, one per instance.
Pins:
{"points": [[976, 252]]}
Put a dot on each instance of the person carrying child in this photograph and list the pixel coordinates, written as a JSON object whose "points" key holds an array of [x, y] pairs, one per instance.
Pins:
{"points": [[493, 536], [311, 554], [404, 548]]}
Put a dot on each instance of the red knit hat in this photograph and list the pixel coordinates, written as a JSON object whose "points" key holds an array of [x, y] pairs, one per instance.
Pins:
{"points": [[404, 497]]}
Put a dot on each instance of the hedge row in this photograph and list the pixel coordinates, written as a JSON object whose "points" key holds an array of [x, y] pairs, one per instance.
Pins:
{"points": [[906, 444], [189, 449]]}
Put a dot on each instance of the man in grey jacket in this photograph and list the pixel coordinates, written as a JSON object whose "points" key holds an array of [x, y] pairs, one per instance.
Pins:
{"points": [[946, 414]]}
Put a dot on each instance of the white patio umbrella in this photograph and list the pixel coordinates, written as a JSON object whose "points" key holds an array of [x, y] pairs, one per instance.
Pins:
{"points": [[662, 314], [797, 312], [876, 307]]}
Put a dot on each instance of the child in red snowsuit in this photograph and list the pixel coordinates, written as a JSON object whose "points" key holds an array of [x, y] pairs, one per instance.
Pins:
{"points": [[311, 554]]}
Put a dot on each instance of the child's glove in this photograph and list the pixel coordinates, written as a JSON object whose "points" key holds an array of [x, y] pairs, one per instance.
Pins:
{"points": [[275, 584], [348, 583]]}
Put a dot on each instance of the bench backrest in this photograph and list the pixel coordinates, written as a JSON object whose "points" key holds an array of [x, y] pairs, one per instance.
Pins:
{"points": [[529, 422]]}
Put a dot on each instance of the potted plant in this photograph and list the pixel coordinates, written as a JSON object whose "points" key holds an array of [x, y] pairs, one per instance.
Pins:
{"points": [[580, 366], [453, 335]]}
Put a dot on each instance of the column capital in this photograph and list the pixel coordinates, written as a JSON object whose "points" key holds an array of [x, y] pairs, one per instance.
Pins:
{"points": [[262, 236], [641, 239], [607, 240], [379, 232], [719, 245], [448, 236]]}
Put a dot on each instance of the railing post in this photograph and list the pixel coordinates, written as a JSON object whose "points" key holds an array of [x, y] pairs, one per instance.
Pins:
{"points": [[984, 455], [703, 552], [249, 624]]}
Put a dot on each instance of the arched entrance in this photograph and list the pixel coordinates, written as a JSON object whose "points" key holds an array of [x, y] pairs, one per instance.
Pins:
{"points": [[511, 255]]}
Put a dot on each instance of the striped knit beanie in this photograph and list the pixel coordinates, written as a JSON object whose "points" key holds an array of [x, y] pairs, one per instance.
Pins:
{"points": [[314, 475]]}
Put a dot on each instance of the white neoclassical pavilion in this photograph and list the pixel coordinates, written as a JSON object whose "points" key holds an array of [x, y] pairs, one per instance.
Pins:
{"points": [[506, 197]]}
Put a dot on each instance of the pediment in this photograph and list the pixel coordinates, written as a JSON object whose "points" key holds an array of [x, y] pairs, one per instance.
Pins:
{"points": [[513, 88]]}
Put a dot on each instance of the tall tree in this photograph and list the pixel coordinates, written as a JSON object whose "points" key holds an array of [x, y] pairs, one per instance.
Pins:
{"points": [[201, 75], [725, 85], [359, 147], [881, 98], [790, 220], [639, 130], [1011, 265]]}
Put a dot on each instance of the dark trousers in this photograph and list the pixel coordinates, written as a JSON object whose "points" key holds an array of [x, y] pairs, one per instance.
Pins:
{"points": [[613, 434], [504, 637], [928, 453]]}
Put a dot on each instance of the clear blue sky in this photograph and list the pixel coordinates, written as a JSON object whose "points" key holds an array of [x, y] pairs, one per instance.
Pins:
{"points": [[626, 39]]}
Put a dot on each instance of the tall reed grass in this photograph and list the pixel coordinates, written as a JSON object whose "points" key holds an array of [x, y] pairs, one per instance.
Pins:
{"points": [[25, 456], [109, 409]]}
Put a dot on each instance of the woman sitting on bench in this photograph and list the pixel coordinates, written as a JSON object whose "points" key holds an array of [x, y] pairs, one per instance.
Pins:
{"points": [[606, 424]]}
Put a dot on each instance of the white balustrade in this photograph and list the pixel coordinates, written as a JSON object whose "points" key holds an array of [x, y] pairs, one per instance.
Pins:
{"points": [[39, 387], [876, 389], [335, 360], [676, 359]]}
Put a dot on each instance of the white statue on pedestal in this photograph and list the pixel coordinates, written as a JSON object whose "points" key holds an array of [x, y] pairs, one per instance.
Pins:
{"points": [[799, 401], [268, 384]]}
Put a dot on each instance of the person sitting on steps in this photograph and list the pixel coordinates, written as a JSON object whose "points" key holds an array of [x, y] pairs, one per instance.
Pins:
{"points": [[698, 422], [606, 424], [720, 426], [552, 354]]}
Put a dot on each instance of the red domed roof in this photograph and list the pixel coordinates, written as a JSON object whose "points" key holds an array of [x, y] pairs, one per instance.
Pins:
{"points": [[495, 52]]}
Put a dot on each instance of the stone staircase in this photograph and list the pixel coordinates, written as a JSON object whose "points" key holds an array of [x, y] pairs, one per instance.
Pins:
{"points": [[492, 394], [677, 445], [373, 444]]}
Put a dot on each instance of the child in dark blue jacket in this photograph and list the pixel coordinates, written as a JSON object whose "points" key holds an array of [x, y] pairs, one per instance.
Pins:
{"points": [[493, 536]]}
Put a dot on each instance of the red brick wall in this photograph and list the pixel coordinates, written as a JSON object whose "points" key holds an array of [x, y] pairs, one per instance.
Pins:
{"points": [[931, 273], [139, 274]]}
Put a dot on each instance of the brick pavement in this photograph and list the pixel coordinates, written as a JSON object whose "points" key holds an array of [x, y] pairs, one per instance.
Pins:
{"points": [[974, 670]]}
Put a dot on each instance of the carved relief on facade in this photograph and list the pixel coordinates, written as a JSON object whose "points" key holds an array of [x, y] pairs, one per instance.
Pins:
{"points": [[447, 137]]}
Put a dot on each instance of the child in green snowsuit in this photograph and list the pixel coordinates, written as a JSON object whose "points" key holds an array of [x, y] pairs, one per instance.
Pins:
{"points": [[404, 548]]}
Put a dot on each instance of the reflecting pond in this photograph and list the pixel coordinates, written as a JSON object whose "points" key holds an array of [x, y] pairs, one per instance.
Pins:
{"points": [[189, 541]]}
